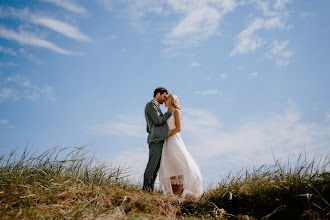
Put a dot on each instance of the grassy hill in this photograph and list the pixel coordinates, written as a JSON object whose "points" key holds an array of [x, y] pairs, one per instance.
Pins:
{"points": [[66, 184]]}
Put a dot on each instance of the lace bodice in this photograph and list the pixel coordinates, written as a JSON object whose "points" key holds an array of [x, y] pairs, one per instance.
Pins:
{"points": [[171, 123]]}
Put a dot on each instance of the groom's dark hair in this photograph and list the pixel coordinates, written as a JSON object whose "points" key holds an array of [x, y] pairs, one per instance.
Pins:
{"points": [[160, 90]]}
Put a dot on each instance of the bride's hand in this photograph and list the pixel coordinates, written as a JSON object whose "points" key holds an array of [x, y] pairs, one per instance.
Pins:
{"points": [[169, 133], [171, 109]]}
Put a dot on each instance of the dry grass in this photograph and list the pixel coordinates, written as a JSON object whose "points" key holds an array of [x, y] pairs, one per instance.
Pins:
{"points": [[279, 191], [75, 186], [67, 184]]}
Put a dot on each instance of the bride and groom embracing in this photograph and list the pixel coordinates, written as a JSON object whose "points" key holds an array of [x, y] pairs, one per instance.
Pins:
{"points": [[178, 172]]}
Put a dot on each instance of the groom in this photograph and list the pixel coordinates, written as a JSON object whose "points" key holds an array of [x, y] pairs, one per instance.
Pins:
{"points": [[157, 129]]}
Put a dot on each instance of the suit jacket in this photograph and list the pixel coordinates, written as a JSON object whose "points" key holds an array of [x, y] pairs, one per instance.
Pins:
{"points": [[156, 122]]}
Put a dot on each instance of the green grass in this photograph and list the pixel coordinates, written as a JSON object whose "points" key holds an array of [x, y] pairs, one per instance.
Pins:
{"points": [[68, 184]]}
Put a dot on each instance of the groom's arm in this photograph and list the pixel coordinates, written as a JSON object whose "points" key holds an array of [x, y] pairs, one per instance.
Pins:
{"points": [[157, 119]]}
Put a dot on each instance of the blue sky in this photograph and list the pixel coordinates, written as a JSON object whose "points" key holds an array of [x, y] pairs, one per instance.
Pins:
{"points": [[252, 77]]}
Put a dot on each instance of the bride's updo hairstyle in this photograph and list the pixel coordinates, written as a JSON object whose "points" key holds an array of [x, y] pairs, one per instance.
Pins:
{"points": [[174, 101]]}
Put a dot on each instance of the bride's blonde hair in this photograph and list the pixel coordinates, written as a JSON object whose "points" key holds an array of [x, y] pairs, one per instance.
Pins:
{"points": [[174, 101]]}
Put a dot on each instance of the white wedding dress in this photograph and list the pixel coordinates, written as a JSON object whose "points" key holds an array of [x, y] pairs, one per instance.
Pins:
{"points": [[177, 161]]}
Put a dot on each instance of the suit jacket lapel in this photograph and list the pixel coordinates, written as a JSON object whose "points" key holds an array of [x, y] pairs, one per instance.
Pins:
{"points": [[158, 108]]}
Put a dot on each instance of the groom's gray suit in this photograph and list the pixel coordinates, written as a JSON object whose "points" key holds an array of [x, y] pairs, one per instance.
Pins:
{"points": [[157, 129]]}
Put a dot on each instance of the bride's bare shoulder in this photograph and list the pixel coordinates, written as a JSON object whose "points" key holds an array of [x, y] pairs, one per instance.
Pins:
{"points": [[177, 112]]}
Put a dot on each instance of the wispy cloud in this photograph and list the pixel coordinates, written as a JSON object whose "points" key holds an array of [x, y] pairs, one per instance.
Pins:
{"points": [[5, 124], [202, 119], [7, 94], [135, 11], [16, 87], [249, 41], [224, 75], [216, 148], [280, 52], [253, 140], [195, 64], [68, 5], [123, 126], [201, 19], [196, 20], [208, 92], [29, 56], [253, 75], [21, 51], [6, 50], [29, 38], [58, 26], [274, 14], [308, 14]]}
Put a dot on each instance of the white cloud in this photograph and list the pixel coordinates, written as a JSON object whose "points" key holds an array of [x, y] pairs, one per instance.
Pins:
{"points": [[286, 132], [197, 25], [61, 27], [280, 52], [68, 5], [308, 14], [201, 19], [20, 51], [17, 87], [7, 50], [218, 150], [224, 76], [274, 18], [198, 19], [254, 74], [208, 92], [194, 119], [123, 126], [29, 56], [195, 64], [135, 11], [265, 7], [7, 93], [249, 41], [29, 38], [4, 122], [281, 4]]}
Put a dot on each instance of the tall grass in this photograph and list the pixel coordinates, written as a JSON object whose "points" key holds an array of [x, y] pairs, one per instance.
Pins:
{"points": [[69, 184], [279, 191]]}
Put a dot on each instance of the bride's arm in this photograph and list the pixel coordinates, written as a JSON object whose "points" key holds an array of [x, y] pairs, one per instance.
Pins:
{"points": [[177, 117]]}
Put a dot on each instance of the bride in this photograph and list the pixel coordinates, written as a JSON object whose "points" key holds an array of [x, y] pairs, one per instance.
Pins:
{"points": [[178, 172]]}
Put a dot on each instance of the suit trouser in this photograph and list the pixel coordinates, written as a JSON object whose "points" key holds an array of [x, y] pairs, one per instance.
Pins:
{"points": [[150, 174]]}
